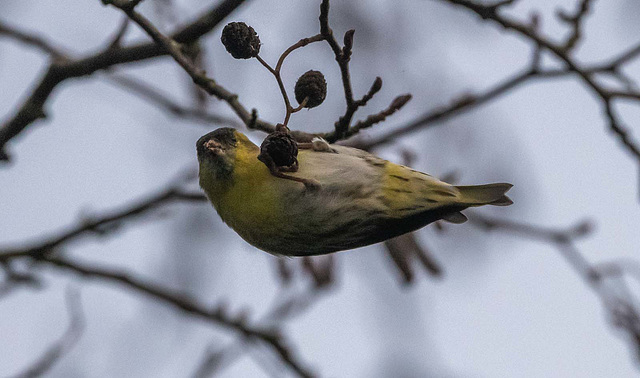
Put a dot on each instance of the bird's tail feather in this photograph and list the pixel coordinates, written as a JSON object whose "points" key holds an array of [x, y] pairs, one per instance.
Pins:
{"points": [[489, 194]]}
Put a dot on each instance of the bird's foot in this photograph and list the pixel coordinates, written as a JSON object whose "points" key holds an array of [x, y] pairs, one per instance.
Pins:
{"points": [[277, 171], [318, 145], [309, 184]]}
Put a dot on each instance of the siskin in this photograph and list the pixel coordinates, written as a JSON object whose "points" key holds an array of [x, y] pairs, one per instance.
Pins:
{"points": [[360, 200]]}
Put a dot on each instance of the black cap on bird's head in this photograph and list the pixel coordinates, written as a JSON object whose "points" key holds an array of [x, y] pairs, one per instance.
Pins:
{"points": [[216, 151]]}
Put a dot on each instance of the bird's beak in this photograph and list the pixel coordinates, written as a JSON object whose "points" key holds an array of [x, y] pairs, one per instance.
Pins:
{"points": [[213, 146]]}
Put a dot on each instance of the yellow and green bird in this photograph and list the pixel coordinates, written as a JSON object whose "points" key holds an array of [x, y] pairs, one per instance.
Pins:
{"points": [[360, 200]]}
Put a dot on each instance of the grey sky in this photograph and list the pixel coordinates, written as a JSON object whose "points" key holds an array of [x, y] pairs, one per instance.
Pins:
{"points": [[505, 307]]}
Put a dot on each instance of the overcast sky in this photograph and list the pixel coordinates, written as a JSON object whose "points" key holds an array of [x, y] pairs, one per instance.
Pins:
{"points": [[505, 306]]}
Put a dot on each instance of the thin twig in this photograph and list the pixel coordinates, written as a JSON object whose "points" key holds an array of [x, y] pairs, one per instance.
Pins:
{"points": [[31, 40], [373, 119], [404, 250], [198, 76], [343, 128], [122, 31], [283, 309], [33, 108], [154, 96], [342, 124], [575, 21], [283, 90], [469, 102], [560, 52], [106, 223], [607, 280], [276, 72], [184, 303], [14, 279], [464, 103]]}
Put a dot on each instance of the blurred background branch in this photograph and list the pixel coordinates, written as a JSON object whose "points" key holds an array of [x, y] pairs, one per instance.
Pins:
{"points": [[60, 70], [607, 279], [48, 253], [163, 101], [303, 283], [563, 52]]}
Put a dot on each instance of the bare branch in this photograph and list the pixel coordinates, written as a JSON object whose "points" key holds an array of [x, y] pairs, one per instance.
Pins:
{"points": [[31, 40], [575, 21], [320, 268], [122, 30], [375, 88], [154, 96], [560, 52], [373, 119], [184, 303], [403, 249], [605, 279], [468, 102], [343, 128], [32, 108], [198, 76], [276, 72], [14, 279], [110, 221], [464, 103], [101, 225], [284, 309]]}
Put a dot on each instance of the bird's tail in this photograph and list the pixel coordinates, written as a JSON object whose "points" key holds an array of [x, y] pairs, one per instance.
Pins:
{"points": [[479, 195], [489, 194]]}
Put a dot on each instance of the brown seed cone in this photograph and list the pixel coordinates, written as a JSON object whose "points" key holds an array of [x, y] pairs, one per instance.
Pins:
{"points": [[281, 147], [240, 40], [313, 86]]}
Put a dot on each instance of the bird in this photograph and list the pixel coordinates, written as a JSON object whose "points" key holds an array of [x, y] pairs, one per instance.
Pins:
{"points": [[357, 199]]}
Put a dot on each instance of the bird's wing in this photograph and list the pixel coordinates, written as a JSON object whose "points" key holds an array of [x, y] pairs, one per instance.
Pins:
{"points": [[354, 174], [358, 203], [348, 171], [364, 199]]}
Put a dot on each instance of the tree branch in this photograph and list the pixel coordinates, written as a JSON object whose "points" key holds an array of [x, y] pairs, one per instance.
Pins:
{"points": [[43, 253], [607, 280], [271, 337], [575, 21], [106, 223], [562, 53], [198, 76], [464, 103], [154, 96], [286, 308], [31, 40], [343, 127], [33, 108]]}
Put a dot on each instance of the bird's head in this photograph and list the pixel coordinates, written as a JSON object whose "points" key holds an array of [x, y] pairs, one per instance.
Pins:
{"points": [[218, 154]]}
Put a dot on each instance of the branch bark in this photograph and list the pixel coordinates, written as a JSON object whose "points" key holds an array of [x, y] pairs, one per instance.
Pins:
{"points": [[33, 108]]}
